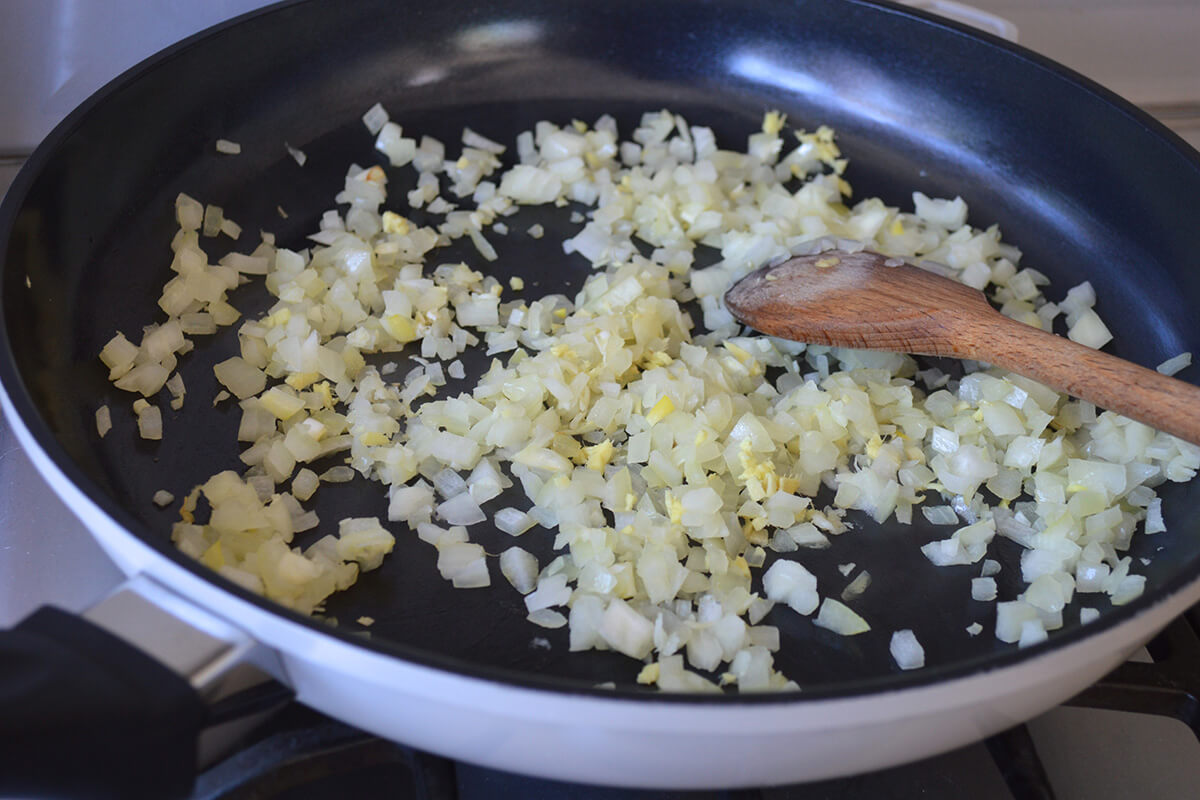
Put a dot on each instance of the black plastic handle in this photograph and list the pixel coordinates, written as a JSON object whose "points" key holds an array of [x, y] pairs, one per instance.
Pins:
{"points": [[84, 714]]}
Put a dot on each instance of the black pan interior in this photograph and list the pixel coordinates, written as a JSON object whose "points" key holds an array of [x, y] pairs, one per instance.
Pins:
{"points": [[1084, 185]]}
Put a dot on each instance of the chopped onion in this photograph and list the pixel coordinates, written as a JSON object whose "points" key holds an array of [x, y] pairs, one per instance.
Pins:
{"points": [[547, 618], [906, 650], [625, 630], [305, 484], [449, 483], [463, 564], [662, 459], [103, 421], [1175, 364], [552, 590], [857, 586], [840, 618], [296, 153], [983, 589], [337, 475], [375, 118], [513, 521], [241, 378], [520, 568], [149, 420], [461, 510], [789, 582]]}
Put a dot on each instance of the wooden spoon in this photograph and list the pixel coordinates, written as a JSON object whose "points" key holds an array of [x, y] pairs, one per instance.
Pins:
{"points": [[868, 301]]}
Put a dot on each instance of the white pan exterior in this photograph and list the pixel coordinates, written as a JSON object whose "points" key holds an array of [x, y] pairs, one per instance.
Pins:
{"points": [[635, 743]]}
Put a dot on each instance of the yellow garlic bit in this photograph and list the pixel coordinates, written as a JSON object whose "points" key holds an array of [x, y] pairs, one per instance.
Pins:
{"points": [[661, 410]]}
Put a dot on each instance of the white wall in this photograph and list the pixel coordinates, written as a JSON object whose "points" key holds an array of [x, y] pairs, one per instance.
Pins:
{"points": [[55, 53]]}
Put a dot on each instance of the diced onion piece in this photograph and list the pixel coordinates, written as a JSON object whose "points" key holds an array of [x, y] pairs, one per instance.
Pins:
{"points": [[1089, 330], [337, 475], [472, 139], [228, 148], [189, 213], [461, 510], [364, 540], [305, 484], [241, 378], [399, 149], [1010, 617], [1175, 364], [412, 504], [213, 217], [625, 630], [145, 379], [857, 586], [103, 421], [530, 185], [520, 568], [149, 421], [840, 618], [513, 521], [464, 564], [375, 118], [1032, 632], [789, 582], [280, 401], [1154, 517], [547, 618], [162, 498], [448, 483], [940, 515], [965, 546], [119, 355], [983, 589], [552, 590], [906, 650], [296, 153]]}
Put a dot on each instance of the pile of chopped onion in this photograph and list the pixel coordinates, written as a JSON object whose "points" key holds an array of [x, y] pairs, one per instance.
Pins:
{"points": [[668, 464]]}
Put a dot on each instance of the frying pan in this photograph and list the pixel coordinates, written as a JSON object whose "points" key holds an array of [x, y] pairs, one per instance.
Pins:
{"points": [[1087, 186]]}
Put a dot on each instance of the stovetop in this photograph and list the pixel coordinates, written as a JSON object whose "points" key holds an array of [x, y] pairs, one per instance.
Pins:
{"points": [[1143, 50], [1133, 734]]}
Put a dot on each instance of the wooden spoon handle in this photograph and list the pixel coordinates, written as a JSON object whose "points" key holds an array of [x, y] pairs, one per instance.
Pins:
{"points": [[1159, 401]]}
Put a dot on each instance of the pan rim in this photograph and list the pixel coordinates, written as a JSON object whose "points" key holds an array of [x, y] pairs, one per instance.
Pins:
{"points": [[39, 431]]}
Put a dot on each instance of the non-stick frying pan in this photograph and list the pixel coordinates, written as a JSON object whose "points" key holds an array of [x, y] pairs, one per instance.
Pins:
{"points": [[1087, 187]]}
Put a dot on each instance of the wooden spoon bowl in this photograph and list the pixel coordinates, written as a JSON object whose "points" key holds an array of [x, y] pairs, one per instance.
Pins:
{"points": [[869, 301]]}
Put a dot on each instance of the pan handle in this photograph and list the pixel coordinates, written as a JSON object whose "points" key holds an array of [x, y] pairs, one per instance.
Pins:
{"points": [[116, 702]]}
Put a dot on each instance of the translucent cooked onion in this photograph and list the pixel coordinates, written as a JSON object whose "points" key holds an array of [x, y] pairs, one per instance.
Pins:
{"points": [[906, 650], [840, 618], [520, 568], [666, 461], [1175, 364], [103, 421], [149, 420]]}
